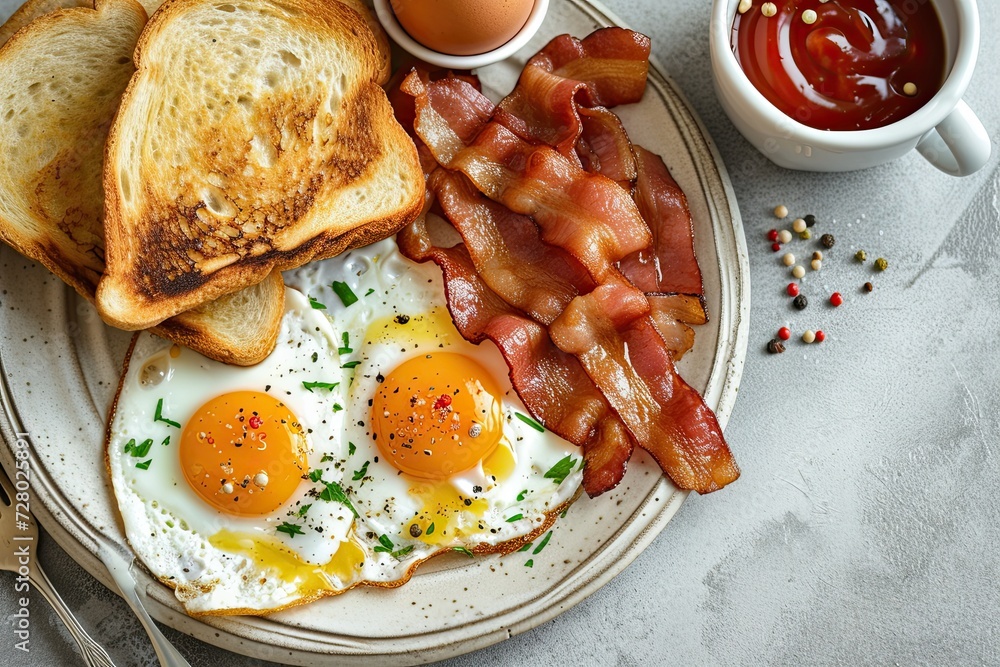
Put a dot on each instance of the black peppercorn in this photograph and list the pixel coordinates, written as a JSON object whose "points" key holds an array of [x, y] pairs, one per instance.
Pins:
{"points": [[810, 220], [827, 240], [800, 302], [775, 346], [869, 287]]}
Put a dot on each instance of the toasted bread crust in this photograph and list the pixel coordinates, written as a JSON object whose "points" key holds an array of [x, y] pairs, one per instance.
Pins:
{"points": [[279, 174], [32, 9], [382, 39]]}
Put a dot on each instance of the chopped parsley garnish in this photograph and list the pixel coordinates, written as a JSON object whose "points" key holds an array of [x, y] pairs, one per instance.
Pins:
{"points": [[317, 305], [158, 417], [360, 474], [316, 475], [351, 364], [516, 517], [337, 407], [541, 545], [525, 547], [530, 422], [399, 553], [329, 386], [529, 563], [351, 449], [144, 465], [463, 550], [302, 510], [561, 470], [386, 546], [346, 349], [335, 493], [166, 441], [140, 450], [326, 458], [430, 530], [344, 291], [521, 495], [371, 290], [290, 529]]}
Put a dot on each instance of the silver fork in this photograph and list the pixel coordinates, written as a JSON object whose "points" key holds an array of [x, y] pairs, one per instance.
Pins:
{"points": [[18, 541]]}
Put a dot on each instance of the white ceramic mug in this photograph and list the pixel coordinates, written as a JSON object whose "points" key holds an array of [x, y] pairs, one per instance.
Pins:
{"points": [[945, 130]]}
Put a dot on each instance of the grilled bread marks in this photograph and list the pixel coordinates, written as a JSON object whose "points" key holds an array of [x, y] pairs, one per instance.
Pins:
{"points": [[254, 136], [61, 78]]}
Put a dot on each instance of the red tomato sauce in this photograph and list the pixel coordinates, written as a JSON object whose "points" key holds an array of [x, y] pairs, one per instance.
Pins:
{"points": [[849, 69]]}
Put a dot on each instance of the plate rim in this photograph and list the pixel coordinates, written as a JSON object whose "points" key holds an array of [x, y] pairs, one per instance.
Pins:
{"points": [[83, 543]]}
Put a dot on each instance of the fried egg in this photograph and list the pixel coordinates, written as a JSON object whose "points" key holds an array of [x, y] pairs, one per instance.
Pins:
{"points": [[371, 439]]}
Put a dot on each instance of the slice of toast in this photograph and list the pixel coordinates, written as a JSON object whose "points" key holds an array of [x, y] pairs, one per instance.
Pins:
{"points": [[240, 328], [53, 129], [254, 136], [61, 79]]}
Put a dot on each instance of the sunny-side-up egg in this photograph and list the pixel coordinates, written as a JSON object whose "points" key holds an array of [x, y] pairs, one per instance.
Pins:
{"points": [[371, 439], [210, 468], [441, 454]]}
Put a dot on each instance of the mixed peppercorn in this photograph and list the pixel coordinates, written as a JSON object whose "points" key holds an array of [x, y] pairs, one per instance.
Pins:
{"points": [[779, 238]]}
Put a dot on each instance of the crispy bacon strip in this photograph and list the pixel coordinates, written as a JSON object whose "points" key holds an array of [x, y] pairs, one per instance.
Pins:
{"points": [[588, 214], [551, 384], [508, 254], [610, 332], [670, 265], [607, 68], [402, 104], [604, 147], [612, 61]]}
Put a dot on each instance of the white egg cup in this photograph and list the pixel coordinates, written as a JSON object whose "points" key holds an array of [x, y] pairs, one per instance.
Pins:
{"points": [[945, 130], [383, 9]]}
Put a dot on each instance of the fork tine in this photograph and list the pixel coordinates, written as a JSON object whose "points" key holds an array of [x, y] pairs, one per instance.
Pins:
{"points": [[7, 486]]}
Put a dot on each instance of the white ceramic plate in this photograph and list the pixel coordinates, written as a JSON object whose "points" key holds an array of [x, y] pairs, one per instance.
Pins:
{"points": [[60, 367]]}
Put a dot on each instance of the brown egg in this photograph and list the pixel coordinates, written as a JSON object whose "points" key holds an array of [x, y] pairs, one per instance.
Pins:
{"points": [[462, 27]]}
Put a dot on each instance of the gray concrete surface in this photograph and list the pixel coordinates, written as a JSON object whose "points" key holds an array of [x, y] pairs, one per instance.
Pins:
{"points": [[864, 528]]}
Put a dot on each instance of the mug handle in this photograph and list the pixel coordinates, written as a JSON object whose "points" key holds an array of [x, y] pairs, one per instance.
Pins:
{"points": [[959, 145]]}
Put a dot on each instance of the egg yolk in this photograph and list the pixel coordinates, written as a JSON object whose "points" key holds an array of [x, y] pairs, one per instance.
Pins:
{"points": [[436, 415], [244, 453]]}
